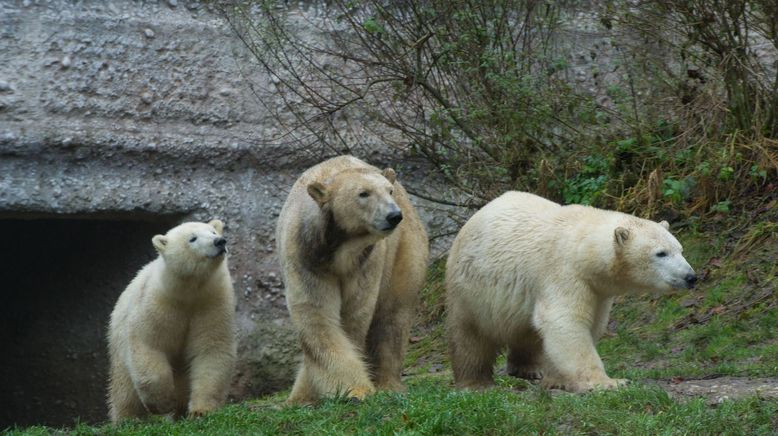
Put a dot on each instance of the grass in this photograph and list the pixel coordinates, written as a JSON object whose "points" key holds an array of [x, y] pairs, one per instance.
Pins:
{"points": [[431, 406], [427, 352], [726, 327]]}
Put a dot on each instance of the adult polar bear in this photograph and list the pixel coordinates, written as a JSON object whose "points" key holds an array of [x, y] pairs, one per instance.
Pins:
{"points": [[540, 278], [354, 256]]}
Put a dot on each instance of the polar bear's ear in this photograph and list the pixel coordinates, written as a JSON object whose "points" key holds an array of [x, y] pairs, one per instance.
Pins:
{"points": [[160, 243], [665, 224], [390, 175], [621, 236], [218, 225], [318, 192]]}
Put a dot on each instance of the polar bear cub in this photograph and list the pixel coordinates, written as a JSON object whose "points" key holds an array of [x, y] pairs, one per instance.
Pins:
{"points": [[539, 278], [172, 332]]}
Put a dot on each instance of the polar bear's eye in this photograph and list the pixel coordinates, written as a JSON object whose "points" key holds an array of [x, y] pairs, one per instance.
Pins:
{"points": [[364, 194], [194, 238], [391, 191], [661, 254]]}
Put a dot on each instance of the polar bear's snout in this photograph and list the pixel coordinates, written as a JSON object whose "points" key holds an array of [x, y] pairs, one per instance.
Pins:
{"points": [[387, 216], [679, 273], [394, 217], [691, 280], [221, 244]]}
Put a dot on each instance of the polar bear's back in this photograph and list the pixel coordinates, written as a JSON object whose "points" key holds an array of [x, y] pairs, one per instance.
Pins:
{"points": [[514, 224], [501, 257]]}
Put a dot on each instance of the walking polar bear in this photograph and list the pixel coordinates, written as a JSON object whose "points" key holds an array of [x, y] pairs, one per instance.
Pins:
{"points": [[539, 278], [172, 332], [354, 256]]}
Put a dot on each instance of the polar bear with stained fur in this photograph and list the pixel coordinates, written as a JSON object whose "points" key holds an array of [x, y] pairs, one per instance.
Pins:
{"points": [[354, 256], [172, 332], [539, 278]]}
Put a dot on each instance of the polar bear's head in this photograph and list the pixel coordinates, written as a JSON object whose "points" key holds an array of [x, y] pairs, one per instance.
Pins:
{"points": [[192, 248], [651, 258], [361, 201]]}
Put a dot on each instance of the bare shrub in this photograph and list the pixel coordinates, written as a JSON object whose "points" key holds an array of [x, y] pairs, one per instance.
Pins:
{"points": [[482, 91]]}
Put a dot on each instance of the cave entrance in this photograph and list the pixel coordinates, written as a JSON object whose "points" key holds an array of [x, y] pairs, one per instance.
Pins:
{"points": [[59, 280]]}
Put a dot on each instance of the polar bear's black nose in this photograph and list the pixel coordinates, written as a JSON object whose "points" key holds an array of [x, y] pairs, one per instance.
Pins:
{"points": [[220, 242], [394, 218], [690, 279]]}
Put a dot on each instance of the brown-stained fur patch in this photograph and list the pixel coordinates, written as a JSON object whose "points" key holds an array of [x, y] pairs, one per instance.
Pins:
{"points": [[321, 238], [365, 255]]}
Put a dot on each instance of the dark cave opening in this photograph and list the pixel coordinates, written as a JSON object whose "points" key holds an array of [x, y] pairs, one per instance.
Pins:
{"points": [[60, 279]]}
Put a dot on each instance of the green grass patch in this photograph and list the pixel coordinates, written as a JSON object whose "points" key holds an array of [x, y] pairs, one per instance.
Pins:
{"points": [[427, 351], [431, 406]]}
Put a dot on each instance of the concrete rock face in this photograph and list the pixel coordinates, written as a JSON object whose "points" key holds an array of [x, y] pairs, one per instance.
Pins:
{"points": [[119, 120]]}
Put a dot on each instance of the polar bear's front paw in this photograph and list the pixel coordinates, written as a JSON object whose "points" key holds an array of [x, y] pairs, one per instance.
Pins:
{"points": [[579, 386], [198, 408], [551, 382], [197, 413], [598, 385], [618, 382], [606, 383], [530, 372], [360, 392]]}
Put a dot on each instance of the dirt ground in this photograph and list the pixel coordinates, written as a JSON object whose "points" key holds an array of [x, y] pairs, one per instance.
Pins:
{"points": [[719, 389], [714, 388]]}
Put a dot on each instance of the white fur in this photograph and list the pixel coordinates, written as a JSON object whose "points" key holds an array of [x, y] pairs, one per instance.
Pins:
{"points": [[172, 334]]}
